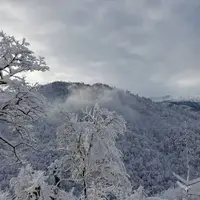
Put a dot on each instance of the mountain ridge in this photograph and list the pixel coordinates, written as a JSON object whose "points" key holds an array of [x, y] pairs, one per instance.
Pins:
{"points": [[153, 146], [154, 142]]}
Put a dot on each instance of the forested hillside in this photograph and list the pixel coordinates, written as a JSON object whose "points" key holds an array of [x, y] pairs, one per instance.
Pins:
{"points": [[155, 142], [153, 146]]}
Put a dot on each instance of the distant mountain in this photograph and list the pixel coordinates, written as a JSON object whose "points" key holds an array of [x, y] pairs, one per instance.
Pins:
{"points": [[154, 145], [162, 98], [194, 98], [192, 105]]}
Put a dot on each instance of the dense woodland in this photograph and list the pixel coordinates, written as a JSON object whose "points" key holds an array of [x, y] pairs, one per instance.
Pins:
{"points": [[66, 140]]}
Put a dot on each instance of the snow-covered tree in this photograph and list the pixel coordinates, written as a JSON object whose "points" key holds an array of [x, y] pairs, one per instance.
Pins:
{"points": [[138, 194], [5, 195], [31, 185], [28, 183], [91, 157], [20, 103], [16, 57], [189, 187]]}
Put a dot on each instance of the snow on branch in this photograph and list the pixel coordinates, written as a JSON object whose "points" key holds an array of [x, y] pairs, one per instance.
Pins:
{"points": [[20, 103], [190, 187], [16, 57], [91, 157]]}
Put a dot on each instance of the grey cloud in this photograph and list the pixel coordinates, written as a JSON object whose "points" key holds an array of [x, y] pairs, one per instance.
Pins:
{"points": [[145, 46]]}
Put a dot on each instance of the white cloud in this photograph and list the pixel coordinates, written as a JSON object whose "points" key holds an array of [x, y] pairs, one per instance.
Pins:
{"points": [[144, 46], [189, 82]]}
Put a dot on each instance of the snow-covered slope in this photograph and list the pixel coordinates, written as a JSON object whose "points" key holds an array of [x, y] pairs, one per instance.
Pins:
{"points": [[153, 146]]}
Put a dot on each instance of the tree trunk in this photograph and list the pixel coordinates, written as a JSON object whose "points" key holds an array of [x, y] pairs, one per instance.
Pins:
{"points": [[84, 185]]}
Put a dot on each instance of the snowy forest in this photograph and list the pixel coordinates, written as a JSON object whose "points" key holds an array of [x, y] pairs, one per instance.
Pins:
{"points": [[72, 141]]}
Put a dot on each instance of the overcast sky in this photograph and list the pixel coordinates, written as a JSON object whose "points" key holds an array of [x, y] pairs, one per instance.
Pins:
{"points": [[150, 47]]}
